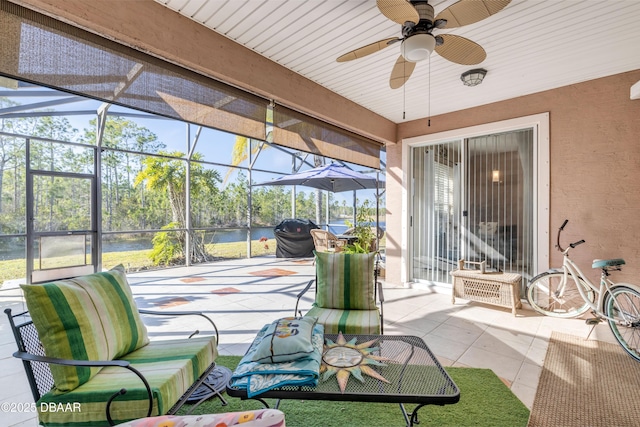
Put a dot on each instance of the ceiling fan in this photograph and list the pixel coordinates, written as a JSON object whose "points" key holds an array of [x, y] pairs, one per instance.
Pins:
{"points": [[418, 42]]}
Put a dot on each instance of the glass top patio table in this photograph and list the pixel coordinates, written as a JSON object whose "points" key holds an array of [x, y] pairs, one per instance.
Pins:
{"points": [[413, 373]]}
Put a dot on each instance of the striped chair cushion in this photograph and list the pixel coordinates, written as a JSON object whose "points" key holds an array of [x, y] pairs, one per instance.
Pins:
{"points": [[347, 321], [170, 367], [345, 281], [91, 317]]}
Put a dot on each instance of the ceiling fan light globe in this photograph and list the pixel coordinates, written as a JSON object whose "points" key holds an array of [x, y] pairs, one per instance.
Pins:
{"points": [[418, 47]]}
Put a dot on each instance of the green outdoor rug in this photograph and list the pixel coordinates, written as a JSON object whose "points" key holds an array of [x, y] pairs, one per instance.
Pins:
{"points": [[484, 401]]}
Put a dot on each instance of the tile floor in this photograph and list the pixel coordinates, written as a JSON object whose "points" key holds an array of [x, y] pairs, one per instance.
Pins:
{"points": [[242, 295]]}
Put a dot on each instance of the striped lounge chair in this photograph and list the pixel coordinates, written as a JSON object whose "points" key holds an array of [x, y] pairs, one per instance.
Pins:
{"points": [[89, 360], [346, 292]]}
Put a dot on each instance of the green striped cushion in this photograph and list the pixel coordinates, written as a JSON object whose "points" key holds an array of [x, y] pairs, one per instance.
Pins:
{"points": [[91, 317], [347, 321], [345, 281], [170, 367]]}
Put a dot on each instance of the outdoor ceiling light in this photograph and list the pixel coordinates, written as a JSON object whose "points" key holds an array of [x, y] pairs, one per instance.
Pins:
{"points": [[473, 77], [418, 47]]}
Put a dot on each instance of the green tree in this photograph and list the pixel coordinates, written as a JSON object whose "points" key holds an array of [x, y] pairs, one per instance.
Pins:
{"points": [[12, 151], [122, 207], [50, 156], [162, 174], [271, 204], [236, 195], [241, 149]]}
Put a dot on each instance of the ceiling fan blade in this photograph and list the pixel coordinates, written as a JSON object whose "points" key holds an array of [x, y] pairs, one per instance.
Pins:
{"points": [[399, 11], [366, 50], [401, 72], [460, 50], [467, 12]]}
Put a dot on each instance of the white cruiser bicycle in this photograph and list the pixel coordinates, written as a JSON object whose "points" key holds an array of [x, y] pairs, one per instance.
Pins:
{"points": [[567, 292]]}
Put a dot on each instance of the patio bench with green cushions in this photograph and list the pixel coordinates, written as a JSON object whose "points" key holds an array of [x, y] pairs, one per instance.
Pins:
{"points": [[88, 357], [346, 292]]}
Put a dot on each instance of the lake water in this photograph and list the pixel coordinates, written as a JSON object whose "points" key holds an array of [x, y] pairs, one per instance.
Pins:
{"points": [[15, 248]]}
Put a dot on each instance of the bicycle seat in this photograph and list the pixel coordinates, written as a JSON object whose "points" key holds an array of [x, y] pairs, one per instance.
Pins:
{"points": [[604, 263]]}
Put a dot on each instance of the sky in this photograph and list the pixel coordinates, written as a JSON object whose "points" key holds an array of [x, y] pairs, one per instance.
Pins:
{"points": [[215, 146]]}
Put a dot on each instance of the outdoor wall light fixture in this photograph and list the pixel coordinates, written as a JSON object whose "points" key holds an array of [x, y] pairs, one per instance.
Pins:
{"points": [[495, 175], [473, 77]]}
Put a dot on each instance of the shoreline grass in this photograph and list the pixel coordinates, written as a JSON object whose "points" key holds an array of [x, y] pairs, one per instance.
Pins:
{"points": [[139, 259]]}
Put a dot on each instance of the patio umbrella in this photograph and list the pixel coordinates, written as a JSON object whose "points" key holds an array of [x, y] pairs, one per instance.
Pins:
{"points": [[331, 177], [334, 178]]}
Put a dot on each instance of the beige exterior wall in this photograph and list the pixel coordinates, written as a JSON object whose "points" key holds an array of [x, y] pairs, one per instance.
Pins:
{"points": [[594, 168]]}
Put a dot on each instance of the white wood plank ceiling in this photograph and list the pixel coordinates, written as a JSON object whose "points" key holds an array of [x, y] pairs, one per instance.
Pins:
{"points": [[531, 45]]}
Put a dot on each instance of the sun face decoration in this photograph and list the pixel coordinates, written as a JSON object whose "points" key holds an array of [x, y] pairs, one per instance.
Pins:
{"points": [[344, 358]]}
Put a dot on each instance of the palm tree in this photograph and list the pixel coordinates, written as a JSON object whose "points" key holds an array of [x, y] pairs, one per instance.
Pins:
{"points": [[240, 153], [169, 175]]}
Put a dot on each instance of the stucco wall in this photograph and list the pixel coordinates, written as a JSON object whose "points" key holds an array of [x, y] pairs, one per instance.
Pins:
{"points": [[594, 168]]}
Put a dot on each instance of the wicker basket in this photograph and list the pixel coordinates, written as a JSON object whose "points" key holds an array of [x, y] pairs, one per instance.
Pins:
{"points": [[501, 289]]}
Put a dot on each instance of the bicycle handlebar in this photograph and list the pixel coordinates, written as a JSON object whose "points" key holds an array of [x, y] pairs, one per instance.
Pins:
{"points": [[571, 245]]}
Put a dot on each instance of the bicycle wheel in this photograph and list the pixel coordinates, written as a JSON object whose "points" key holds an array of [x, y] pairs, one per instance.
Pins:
{"points": [[623, 305], [549, 295]]}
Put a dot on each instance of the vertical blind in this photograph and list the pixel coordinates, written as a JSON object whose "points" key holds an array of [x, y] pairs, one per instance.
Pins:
{"points": [[500, 200], [473, 199], [436, 221]]}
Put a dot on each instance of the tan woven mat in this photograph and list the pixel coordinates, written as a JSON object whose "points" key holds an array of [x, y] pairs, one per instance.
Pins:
{"points": [[586, 384]]}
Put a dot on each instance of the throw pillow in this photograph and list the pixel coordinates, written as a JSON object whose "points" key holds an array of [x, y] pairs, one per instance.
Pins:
{"points": [[250, 418], [345, 281], [286, 339], [89, 317]]}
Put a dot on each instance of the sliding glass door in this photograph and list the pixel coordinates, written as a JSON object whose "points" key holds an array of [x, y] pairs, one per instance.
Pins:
{"points": [[473, 199], [436, 220]]}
